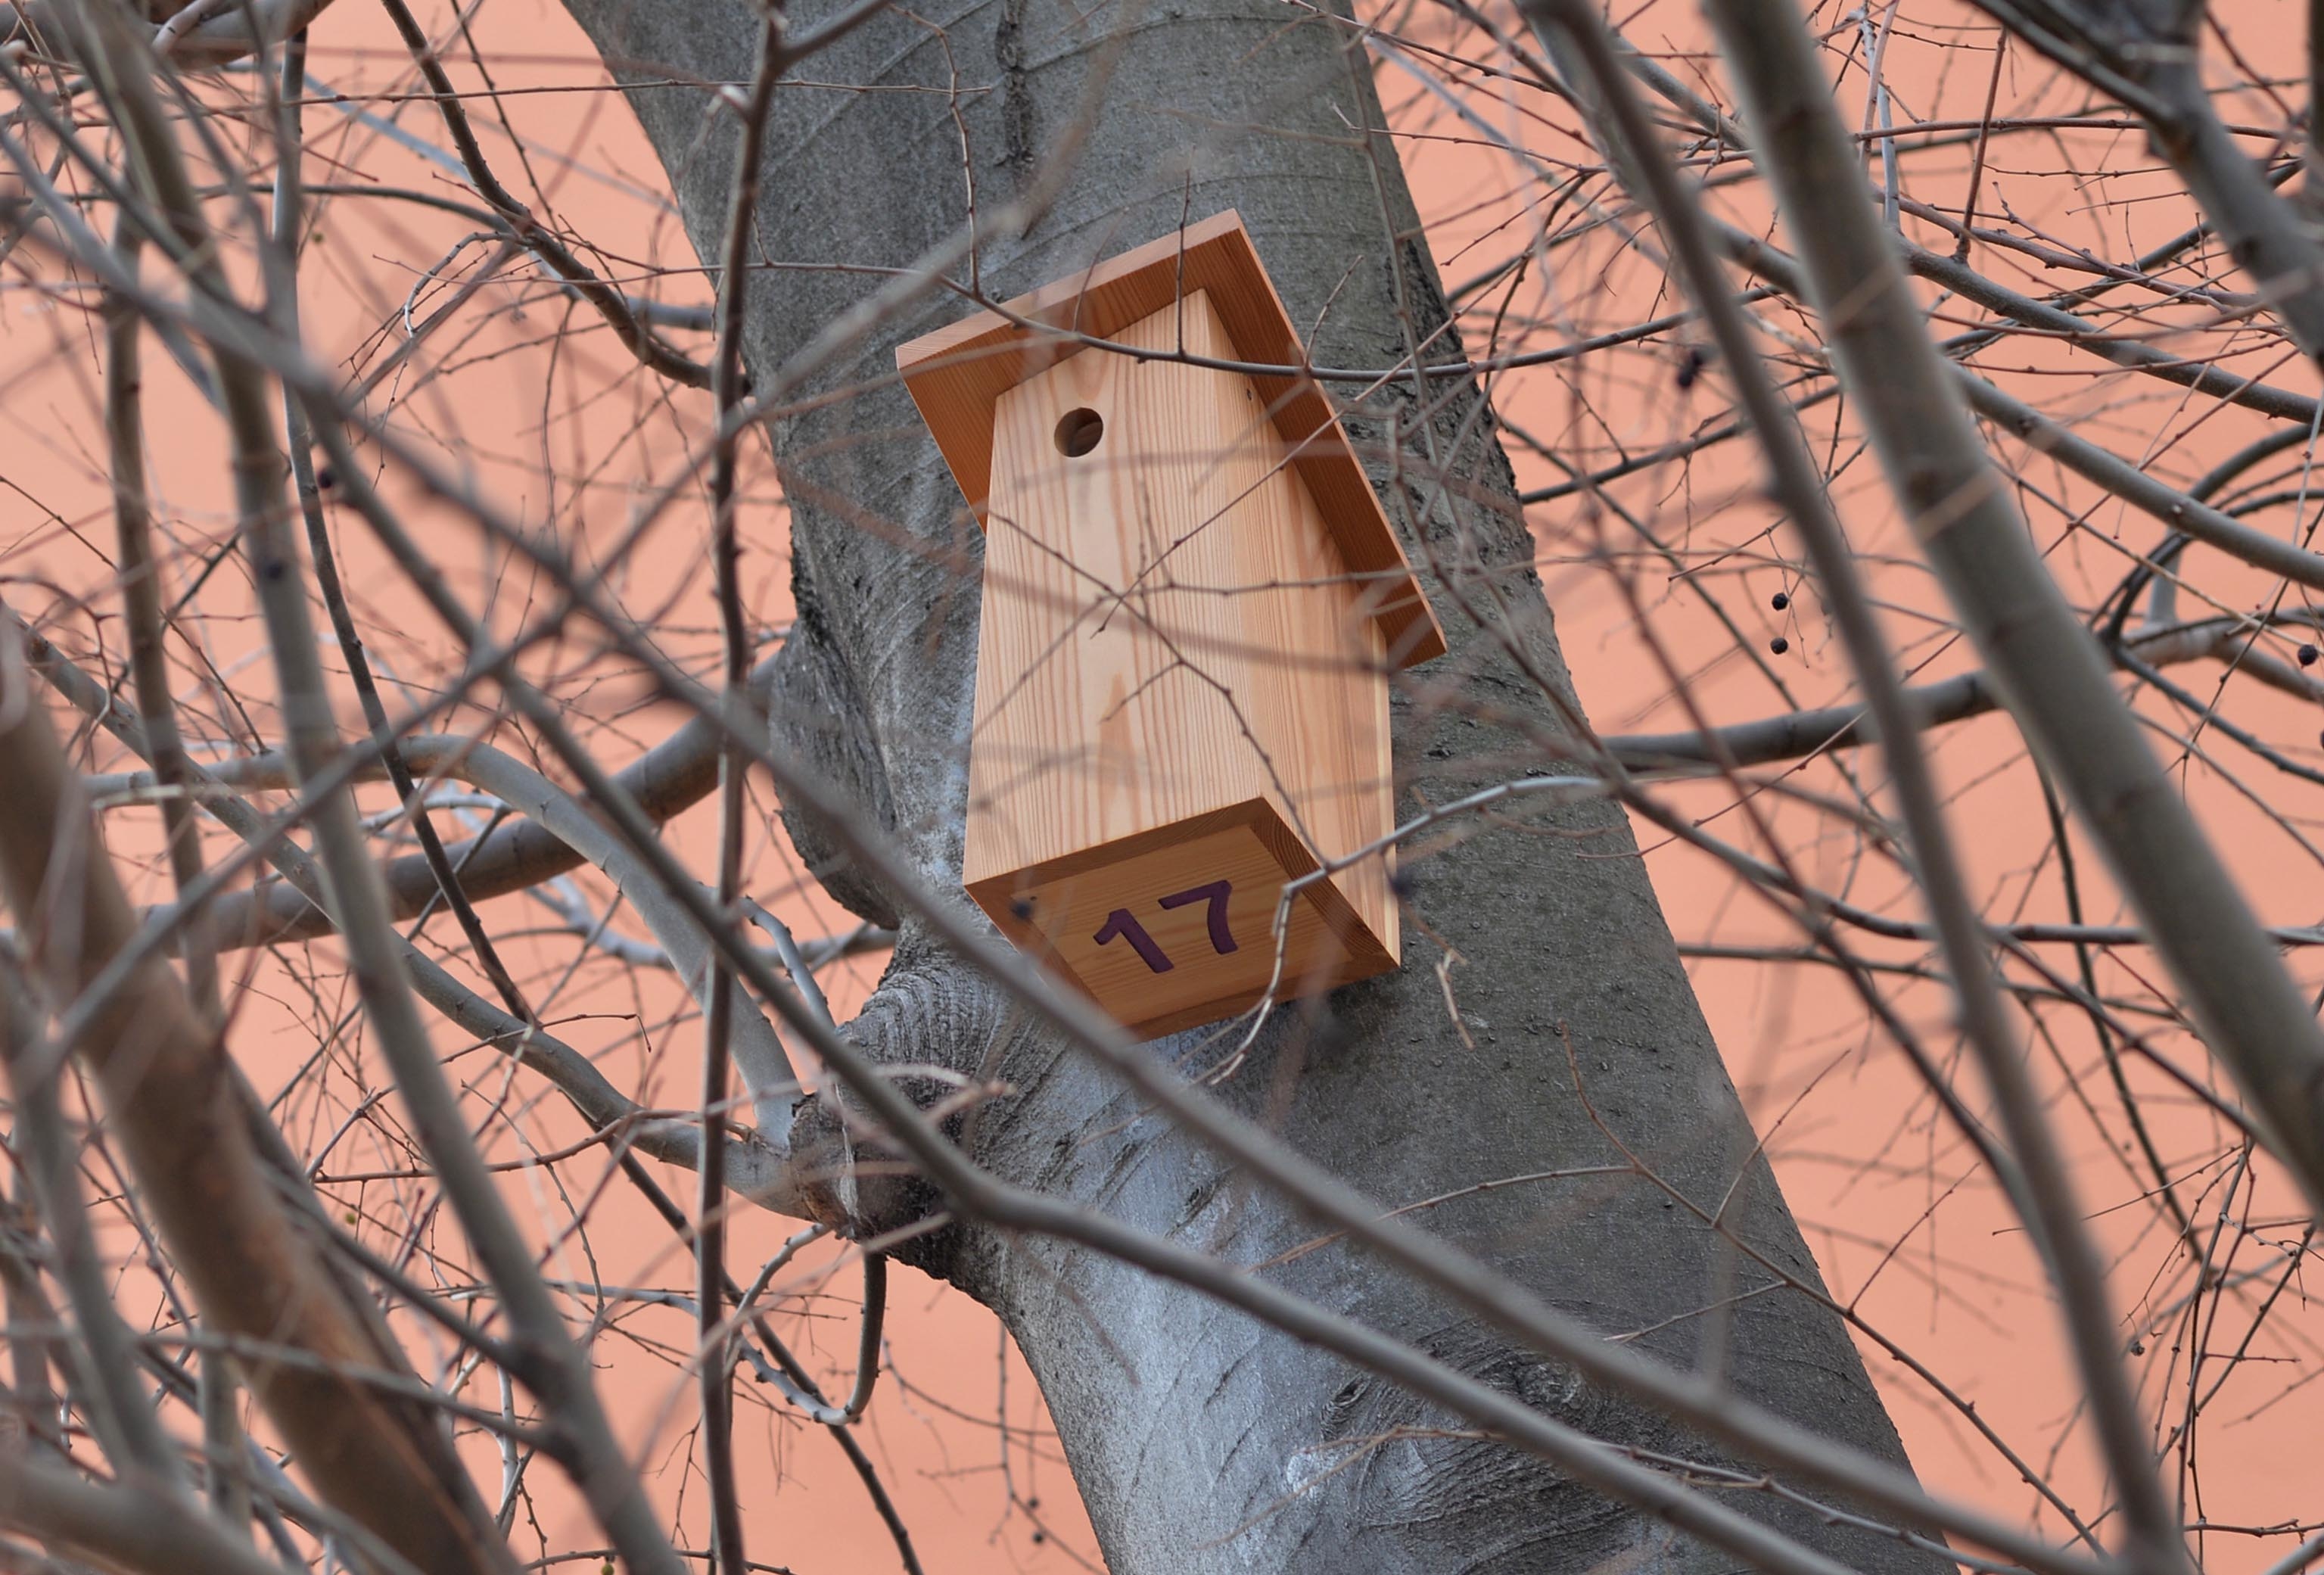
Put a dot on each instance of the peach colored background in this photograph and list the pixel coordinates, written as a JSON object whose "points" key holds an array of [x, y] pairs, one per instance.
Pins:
{"points": [[960, 1437]]}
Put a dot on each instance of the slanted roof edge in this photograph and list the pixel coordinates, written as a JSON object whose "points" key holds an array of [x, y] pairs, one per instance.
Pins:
{"points": [[957, 373]]}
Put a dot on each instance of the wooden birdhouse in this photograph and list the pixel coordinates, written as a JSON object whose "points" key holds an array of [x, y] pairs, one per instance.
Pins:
{"points": [[1192, 606]]}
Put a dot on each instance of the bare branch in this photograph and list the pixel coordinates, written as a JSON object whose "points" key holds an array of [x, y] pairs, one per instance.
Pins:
{"points": [[2048, 667], [129, 1526], [175, 1111]]}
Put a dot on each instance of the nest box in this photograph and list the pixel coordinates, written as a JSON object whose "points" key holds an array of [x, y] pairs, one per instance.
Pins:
{"points": [[1192, 606]]}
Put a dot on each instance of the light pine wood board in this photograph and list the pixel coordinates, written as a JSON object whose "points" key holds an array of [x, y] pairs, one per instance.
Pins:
{"points": [[1215, 961], [1168, 631], [958, 375]]}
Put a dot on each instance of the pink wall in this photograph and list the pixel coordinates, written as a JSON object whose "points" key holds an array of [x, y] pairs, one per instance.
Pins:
{"points": [[1908, 1237]]}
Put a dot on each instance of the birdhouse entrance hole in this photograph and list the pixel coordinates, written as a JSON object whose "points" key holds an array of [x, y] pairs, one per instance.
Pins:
{"points": [[1191, 605], [1078, 431]]}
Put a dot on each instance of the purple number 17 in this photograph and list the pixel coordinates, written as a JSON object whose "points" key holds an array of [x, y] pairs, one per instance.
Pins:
{"points": [[1121, 925]]}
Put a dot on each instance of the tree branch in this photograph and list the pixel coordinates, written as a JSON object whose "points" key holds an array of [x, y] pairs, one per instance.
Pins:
{"points": [[173, 1110], [2039, 1184], [559, 1370], [129, 1526], [2048, 667]]}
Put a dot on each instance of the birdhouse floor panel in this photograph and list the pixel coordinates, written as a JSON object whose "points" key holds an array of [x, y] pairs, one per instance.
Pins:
{"points": [[1174, 926]]}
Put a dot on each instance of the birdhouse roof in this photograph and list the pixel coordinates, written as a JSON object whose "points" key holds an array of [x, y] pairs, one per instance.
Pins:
{"points": [[958, 374]]}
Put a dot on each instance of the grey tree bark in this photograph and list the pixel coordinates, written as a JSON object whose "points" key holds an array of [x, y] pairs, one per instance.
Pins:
{"points": [[1200, 1440]]}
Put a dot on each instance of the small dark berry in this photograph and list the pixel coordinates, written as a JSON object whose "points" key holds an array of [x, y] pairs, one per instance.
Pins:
{"points": [[1022, 908], [1039, 1537], [1690, 367], [1780, 599], [1779, 645], [2307, 656], [326, 478]]}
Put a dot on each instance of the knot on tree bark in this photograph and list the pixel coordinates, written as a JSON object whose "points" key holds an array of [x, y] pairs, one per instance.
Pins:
{"points": [[936, 1028]]}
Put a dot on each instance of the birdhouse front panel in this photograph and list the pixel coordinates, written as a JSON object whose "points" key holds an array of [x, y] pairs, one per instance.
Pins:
{"points": [[1169, 634], [1182, 696]]}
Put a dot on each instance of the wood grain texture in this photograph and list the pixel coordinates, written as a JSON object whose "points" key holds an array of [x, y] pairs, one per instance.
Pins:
{"points": [[1171, 643], [958, 375], [1057, 912]]}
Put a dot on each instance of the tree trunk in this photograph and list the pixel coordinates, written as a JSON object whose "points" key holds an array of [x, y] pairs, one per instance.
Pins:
{"points": [[1200, 1440]]}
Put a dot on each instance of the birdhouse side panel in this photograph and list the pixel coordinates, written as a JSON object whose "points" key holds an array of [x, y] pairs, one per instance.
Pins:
{"points": [[1314, 690]]}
